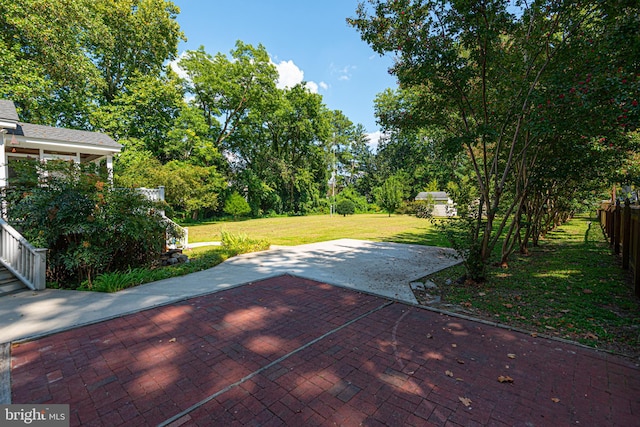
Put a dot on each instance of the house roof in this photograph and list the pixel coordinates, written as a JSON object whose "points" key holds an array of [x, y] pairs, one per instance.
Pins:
{"points": [[29, 130], [8, 111], [436, 195], [48, 133]]}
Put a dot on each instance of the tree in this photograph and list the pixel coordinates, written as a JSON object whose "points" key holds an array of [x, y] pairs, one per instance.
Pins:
{"points": [[359, 202], [61, 59], [360, 156], [189, 140], [236, 206], [389, 195], [191, 191], [43, 60], [147, 110], [130, 38], [226, 89], [484, 73], [285, 150], [416, 152]]}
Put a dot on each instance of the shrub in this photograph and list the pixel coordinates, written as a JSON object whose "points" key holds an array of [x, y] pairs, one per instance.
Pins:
{"points": [[119, 280], [236, 206], [407, 208], [241, 243], [424, 209], [419, 208], [459, 232], [88, 227], [360, 202], [345, 207]]}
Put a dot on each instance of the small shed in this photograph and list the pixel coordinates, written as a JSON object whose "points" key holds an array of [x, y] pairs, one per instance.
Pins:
{"points": [[442, 204]]}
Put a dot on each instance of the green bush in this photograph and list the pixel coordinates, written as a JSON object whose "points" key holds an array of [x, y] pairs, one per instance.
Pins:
{"points": [[424, 209], [360, 202], [119, 280], [408, 207], [459, 232], [240, 243], [345, 207], [88, 227], [236, 206]]}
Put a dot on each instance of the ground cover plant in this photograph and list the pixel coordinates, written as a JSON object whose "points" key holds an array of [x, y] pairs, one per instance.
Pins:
{"points": [[199, 259], [570, 287]]}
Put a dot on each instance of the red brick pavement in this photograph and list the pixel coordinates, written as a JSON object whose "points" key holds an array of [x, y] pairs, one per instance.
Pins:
{"points": [[292, 351]]}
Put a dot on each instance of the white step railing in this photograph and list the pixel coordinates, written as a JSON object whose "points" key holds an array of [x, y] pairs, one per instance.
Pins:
{"points": [[157, 195], [183, 232], [27, 263]]}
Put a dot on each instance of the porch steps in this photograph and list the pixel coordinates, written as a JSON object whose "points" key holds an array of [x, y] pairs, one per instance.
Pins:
{"points": [[8, 283]]}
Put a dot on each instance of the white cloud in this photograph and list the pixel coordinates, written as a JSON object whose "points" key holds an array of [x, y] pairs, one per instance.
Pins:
{"points": [[374, 139], [343, 73], [290, 75], [176, 68], [313, 87]]}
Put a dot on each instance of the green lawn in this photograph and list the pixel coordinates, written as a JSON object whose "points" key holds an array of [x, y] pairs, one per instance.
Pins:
{"points": [[291, 231], [570, 287]]}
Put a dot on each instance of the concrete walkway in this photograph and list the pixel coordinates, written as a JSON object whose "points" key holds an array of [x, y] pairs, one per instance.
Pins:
{"points": [[383, 269]]}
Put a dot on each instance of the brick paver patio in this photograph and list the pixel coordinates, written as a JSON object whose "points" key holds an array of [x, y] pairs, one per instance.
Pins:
{"points": [[292, 351]]}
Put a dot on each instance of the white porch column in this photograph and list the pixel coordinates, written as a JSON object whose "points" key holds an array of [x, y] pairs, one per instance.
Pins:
{"points": [[110, 168], [4, 167]]}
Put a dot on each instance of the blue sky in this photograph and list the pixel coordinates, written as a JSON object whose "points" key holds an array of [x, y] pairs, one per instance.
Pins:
{"points": [[307, 39]]}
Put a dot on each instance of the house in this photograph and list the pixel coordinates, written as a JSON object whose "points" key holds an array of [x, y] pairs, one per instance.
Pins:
{"points": [[442, 204], [21, 264], [26, 140]]}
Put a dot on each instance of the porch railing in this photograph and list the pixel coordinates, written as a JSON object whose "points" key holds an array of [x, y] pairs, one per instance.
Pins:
{"points": [[27, 263], [153, 194]]}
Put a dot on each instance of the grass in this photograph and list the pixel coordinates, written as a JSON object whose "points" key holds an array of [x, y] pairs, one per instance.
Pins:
{"points": [[291, 231], [571, 287]]}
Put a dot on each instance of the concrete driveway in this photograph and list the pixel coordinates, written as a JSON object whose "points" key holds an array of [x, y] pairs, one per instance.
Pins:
{"points": [[383, 269]]}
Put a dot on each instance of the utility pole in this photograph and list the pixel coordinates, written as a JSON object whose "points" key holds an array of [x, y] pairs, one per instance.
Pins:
{"points": [[333, 177]]}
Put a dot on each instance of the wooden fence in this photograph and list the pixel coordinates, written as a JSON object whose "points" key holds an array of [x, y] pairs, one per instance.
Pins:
{"points": [[621, 224]]}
